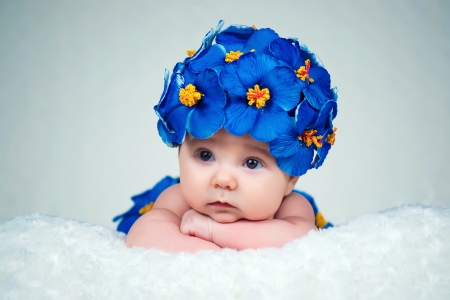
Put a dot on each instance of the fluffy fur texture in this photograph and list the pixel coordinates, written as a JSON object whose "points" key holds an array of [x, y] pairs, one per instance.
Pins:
{"points": [[402, 253]]}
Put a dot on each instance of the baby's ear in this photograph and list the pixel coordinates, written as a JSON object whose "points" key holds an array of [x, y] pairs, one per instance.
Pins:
{"points": [[291, 184]]}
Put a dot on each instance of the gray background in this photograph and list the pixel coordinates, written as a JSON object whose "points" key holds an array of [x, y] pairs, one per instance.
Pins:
{"points": [[79, 79]]}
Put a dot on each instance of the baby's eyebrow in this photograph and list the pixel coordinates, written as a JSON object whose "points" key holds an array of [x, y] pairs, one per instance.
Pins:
{"points": [[260, 148]]}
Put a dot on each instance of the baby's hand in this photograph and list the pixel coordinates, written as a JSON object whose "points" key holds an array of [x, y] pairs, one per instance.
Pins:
{"points": [[196, 224]]}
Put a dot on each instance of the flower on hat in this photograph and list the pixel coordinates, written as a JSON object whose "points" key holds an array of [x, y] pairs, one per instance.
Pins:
{"points": [[313, 131], [192, 102], [231, 43], [313, 78], [260, 91]]}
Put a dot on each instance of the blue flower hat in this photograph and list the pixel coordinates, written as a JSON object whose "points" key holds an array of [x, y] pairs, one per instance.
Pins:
{"points": [[248, 81], [253, 81]]}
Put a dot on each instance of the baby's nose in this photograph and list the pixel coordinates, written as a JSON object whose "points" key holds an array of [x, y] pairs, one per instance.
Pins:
{"points": [[224, 179]]}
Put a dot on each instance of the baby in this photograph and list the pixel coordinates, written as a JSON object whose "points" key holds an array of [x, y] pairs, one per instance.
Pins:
{"points": [[250, 114]]}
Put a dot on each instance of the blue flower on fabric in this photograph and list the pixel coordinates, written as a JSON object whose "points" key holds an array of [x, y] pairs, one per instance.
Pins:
{"points": [[143, 203], [192, 102], [314, 79], [313, 131], [231, 43], [260, 91]]}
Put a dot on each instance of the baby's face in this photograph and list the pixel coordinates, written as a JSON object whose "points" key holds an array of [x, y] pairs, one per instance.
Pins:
{"points": [[229, 178]]}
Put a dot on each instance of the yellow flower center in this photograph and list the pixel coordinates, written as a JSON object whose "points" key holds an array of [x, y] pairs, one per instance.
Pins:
{"points": [[331, 138], [320, 220], [232, 56], [189, 95], [258, 96], [303, 71], [146, 208], [190, 53], [308, 137]]}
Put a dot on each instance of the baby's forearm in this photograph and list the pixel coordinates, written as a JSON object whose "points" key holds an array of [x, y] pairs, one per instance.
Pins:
{"points": [[245, 234], [159, 230]]}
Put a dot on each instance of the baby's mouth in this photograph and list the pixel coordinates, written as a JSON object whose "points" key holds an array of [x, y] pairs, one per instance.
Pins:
{"points": [[221, 204]]}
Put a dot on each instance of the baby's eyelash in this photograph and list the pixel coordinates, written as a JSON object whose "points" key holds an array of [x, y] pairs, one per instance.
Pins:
{"points": [[253, 163], [205, 155]]}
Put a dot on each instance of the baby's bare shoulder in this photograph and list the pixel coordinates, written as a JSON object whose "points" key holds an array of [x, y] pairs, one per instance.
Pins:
{"points": [[295, 205], [172, 200], [165, 214]]}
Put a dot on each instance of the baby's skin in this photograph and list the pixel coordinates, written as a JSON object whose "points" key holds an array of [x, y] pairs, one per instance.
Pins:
{"points": [[231, 194]]}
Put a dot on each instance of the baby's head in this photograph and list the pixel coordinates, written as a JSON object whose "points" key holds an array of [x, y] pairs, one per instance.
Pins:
{"points": [[265, 99]]}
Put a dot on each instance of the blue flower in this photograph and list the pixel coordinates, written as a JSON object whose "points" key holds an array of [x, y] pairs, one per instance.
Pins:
{"points": [[143, 203], [314, 79], [192, 102], [260, 91], [231, 43], [313, 131]]}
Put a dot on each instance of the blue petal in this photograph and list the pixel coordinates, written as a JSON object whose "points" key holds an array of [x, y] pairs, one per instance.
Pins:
{"points": [[166, 84], [334, 97], [152, 194], [207, 83], [318, 92], [234, 39], [322, 153], [285, 145], [260, 40], [126, 223], [207, 40], [271, 122], [207, 116], [305, 116], [239, 116], [298, 164], [170, 139], [283, 86], [171, 98], [212, 56], [204, 121], [235, 33], [253, 67], [209, 37], [306, 54], [325, 114], [188, 76], [230, 81], [176, 121], [284, 50]]}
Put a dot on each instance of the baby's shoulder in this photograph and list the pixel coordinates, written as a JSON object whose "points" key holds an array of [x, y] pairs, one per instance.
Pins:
{"points": [[172, 199], [295, 204]]}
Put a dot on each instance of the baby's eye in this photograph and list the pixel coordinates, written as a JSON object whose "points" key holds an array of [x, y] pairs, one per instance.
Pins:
{"points": [[205, 156], [252, 164]]}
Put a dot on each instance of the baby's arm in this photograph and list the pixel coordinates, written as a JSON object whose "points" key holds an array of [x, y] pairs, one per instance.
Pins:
{"points": [[293, 219], [160, 227]]}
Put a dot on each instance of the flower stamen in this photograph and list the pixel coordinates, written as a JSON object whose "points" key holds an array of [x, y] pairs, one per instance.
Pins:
{"points": [[190, 53], [320, 220], [146, 208], [232, 56], [189, 95], [258, 96], [331, 138], [308, 137], [302, 72]]}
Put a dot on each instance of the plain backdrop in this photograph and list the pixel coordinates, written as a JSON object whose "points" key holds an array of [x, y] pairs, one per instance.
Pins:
{"points": [[79, 79]]}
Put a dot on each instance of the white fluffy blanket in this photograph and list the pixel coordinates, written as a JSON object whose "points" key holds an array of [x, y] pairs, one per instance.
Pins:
{"points": [[402, 253]]}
